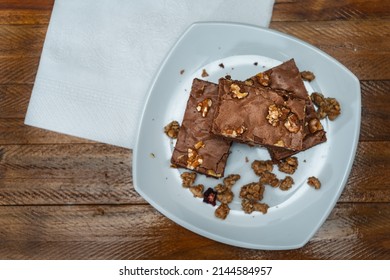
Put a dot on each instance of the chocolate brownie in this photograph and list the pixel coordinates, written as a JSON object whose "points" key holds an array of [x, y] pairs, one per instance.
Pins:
{"points": [[287, 77], [259, 116], [196, 147]]}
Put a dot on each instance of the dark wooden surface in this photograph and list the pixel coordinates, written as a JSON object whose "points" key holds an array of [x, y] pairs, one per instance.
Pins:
{"points": [[62, 197]]}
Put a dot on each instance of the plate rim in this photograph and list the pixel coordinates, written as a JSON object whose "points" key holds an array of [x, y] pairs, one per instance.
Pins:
{"points": [[212, 235]]}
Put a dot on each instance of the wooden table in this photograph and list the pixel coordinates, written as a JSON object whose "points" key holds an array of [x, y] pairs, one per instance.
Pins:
{"points": [[63, 197]]}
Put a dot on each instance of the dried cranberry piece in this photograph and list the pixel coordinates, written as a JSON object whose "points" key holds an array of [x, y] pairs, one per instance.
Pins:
{"points": [[210, 196]]}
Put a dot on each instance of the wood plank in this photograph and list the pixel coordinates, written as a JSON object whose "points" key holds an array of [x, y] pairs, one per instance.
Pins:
{"points": [[97, 161], [22, 40], [38, 12], [14, 131], [14, 100], [353, 231], [80, 173], [18, 70], [26, 12], [359, 45], [319, 10]]}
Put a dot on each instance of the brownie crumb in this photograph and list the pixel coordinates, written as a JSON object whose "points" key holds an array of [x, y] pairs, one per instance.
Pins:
{"points": [[288, 165], [246, 159], [172, 129], [204, 73], [314, 182], [286, 183], [188, 179], [256, 63], [307, 76], [221, 65], [182, 71], [228, 77], [222, 211]]}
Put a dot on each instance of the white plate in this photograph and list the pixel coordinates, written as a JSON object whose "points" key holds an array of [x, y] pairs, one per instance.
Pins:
{"points": [[295, 215]]}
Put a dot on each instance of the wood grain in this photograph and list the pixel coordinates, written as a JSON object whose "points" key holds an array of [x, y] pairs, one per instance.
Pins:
{"points": [[106, 167], [140, 232], [319, 10], [62, 197]]}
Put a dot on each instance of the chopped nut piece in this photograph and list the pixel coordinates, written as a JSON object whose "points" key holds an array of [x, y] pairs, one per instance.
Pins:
{"points": [[230, 180], [226, 196], [172, 129], [252, 191], [213, 174], [315, 125], [235, 89], [222, 211], [194, 160], [314, 182], [288, 165], [199, 145], [292, 123], [188, 179], [210, 196], [327, 107], [204, 106], [263, 79], [333, 108], [274, 113], [286, 183], [220, 188], [233, 133], [260, 166], [221, 65], [197, 190], [308, 76], [249, 82], [204, 73], [250, 206], [280, 143], [269, 178]]}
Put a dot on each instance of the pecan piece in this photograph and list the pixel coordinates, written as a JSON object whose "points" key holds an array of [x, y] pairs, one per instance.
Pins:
{"points": [[307, 76], [194, 159], [286, 183], [252, 191], [197, 190], [260, 166], [230, 180], [188, 179], [249, 206], [233, 133], [314, 182], [236, 93], [263, 79], [315, 125], [172, 129], [288, 165], [204, 106], [269, 178], [222, 211], [274, 114], [292, 123]]}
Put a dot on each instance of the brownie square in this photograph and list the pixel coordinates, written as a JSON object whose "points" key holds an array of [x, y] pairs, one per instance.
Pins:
{"points": [[259, 116], [286, 76], [196, 147]]}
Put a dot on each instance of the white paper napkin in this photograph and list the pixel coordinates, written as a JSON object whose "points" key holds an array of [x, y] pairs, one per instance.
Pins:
{"points": [[100, 56]]}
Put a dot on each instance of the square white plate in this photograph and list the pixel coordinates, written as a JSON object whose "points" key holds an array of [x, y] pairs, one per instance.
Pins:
{"points": [[295, 215]]}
